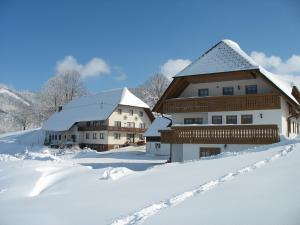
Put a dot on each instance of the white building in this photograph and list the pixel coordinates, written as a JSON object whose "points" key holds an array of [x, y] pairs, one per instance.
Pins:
{"points": [[224, 101], [152, 135], [102, 121]]}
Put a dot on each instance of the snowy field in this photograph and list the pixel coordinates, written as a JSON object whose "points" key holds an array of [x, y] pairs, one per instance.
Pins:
{"points": [[74, 187]]}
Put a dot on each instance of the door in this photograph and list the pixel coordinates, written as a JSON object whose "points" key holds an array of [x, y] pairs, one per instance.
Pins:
{"points": [[204, 152], [130, 138]]}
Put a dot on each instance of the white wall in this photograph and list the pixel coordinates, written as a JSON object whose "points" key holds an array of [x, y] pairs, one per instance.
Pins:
{"points": [[273, 116], [216, 88], [177, 152], [187, 152], [163, 150], [126, 117]]}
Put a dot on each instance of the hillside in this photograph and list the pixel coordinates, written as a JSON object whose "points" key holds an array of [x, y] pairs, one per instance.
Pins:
{"points": [[126, 186], [12, 105]]}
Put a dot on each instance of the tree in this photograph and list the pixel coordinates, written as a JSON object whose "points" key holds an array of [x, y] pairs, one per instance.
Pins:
{"points": [[59, 90], [152, 89]]}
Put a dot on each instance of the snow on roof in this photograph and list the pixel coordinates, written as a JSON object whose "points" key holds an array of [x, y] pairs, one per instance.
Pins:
{"points": [[226, 56], [160, 123], [284, 85], [92, 107]]}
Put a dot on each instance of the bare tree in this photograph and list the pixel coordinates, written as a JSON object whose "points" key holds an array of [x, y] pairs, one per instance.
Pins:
{"points": [[152, 89], [59, 90]]}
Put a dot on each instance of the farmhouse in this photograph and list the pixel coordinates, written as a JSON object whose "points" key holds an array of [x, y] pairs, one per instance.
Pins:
{"points": [[102, 121], [224, 101]]}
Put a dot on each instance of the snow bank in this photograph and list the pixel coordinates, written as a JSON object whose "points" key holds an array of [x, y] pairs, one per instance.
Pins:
{"points": [[115, 173]]}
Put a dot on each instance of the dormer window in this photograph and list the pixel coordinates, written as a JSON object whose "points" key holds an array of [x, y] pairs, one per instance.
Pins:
{"points": [[227, 90], [251, 89], [203, 92]]}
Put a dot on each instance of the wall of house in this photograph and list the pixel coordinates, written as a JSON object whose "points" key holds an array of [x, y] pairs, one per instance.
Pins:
{"points": [[273, 116], [91, 140], [126, 117], [177, 152], [186, 152], [216, 88], [284, 119], [152, 148]]}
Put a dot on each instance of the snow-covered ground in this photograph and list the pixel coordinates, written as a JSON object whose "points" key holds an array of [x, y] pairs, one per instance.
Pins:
{"points": [[48, 186]]}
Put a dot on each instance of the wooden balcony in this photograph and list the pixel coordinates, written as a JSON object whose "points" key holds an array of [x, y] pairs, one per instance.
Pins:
{"points": [[221, 134], [222, 103], [111, 128]]}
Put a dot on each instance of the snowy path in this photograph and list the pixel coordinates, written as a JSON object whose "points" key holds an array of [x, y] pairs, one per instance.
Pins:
{"points": [[141, 215]]}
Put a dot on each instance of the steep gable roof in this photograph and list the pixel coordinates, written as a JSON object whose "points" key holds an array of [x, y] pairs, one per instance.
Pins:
{"points": [[226, 56], [92, 107]]}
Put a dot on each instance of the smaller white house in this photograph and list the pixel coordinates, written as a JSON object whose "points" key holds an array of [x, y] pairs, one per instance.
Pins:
{"points": [[153, 144]]}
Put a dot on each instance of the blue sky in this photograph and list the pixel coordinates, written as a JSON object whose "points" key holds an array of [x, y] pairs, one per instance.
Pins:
{"points": [[134, 39]]}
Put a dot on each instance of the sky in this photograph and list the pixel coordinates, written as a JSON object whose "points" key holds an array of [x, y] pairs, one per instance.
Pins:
{"points": [[122, 43]]}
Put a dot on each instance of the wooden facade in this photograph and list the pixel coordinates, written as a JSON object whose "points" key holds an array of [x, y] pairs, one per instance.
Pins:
{"points": [[111, 128], [223, 103], [222, 134]]}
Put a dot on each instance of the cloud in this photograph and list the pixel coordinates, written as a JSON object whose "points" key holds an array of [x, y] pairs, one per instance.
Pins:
{"points": [[95, 67], [173, 66], [286, 69], [275, 64]]}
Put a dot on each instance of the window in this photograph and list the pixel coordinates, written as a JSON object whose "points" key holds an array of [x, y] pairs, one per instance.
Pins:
{"points": [[157, 145], [251, 89], [203, 92], [142, 125], [117, 136], [231, 119], [94, 135], [87, 136], [141, 113], [227, 90], [216, 120], [95, 123], [117, 123], [59, 137], [88, 124], [55, 137], [101, 135], [119, 111], [130, 124], [101, 123], [141, 136], [131, 112], [246, 119], [193, 120]]}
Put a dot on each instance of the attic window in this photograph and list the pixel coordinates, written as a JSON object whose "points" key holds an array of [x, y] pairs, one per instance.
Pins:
{"points": [[141, 113], [131, 112], [119, 111]]}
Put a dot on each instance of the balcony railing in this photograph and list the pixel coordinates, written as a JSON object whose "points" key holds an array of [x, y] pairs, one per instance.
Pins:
{"points": [[111, 128], [223, 103], [221, 134]]}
